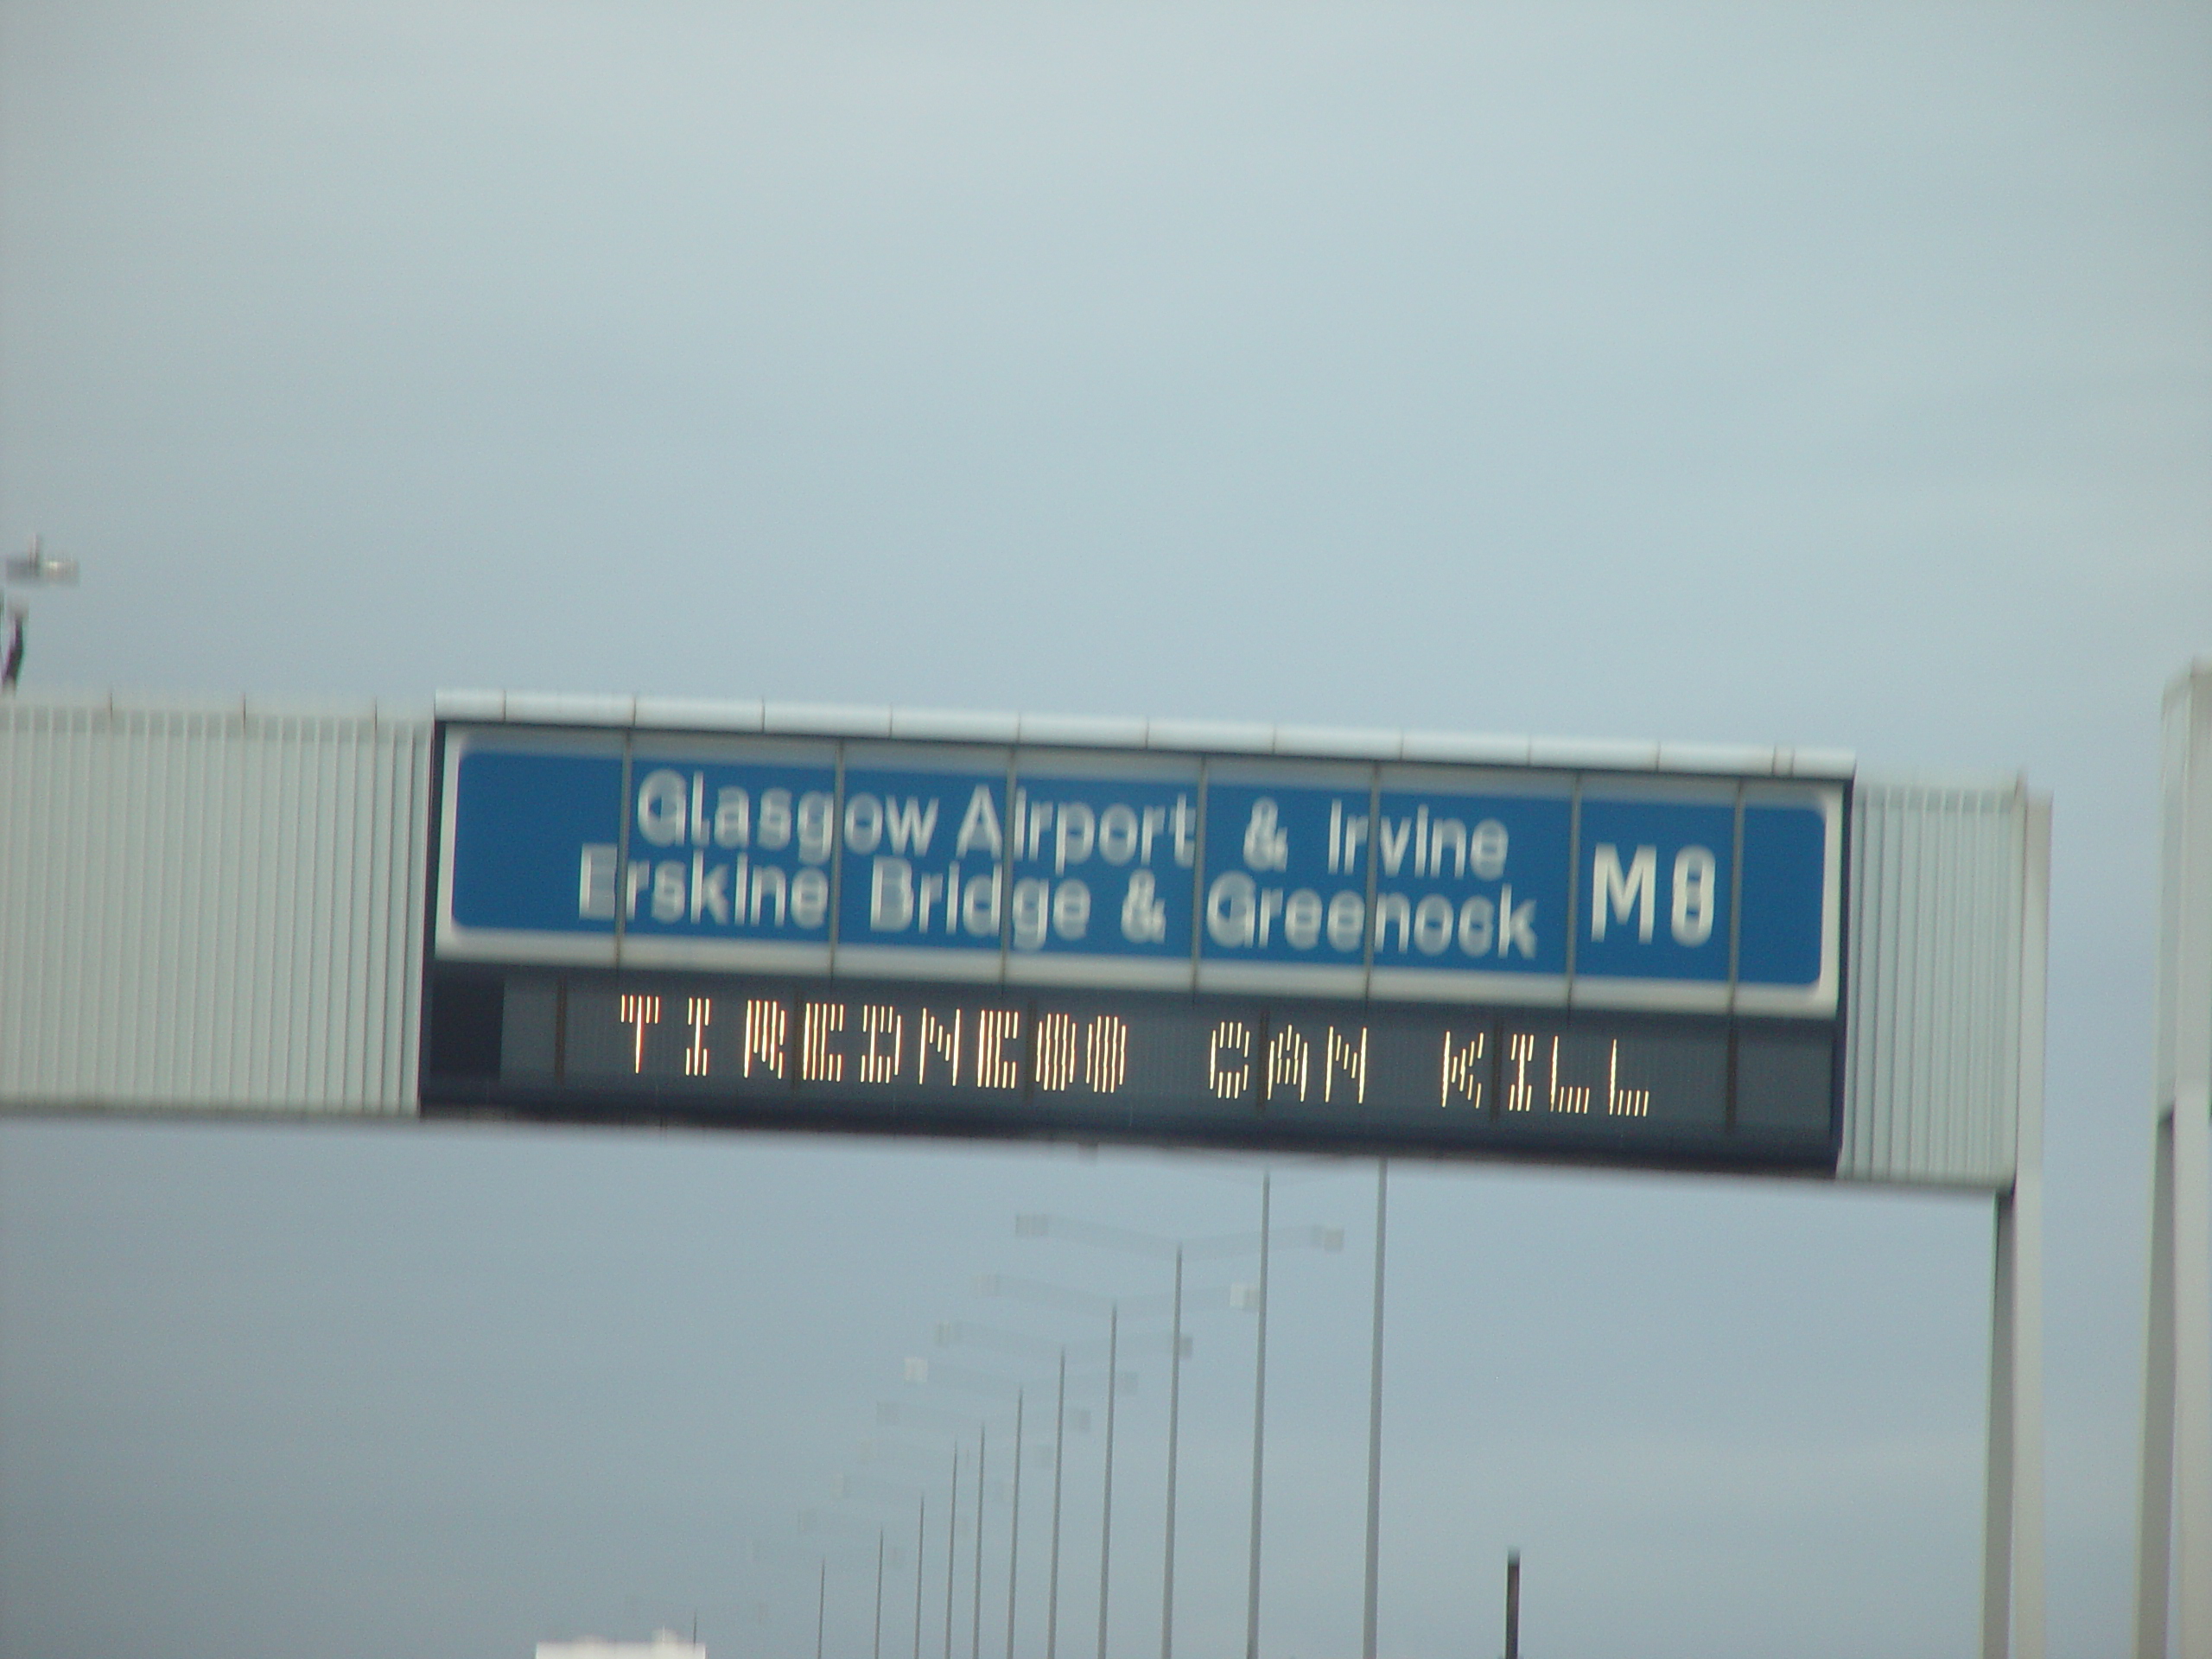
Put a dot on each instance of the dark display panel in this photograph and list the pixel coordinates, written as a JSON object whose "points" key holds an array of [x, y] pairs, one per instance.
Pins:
{"points": [[1012, 1062]]}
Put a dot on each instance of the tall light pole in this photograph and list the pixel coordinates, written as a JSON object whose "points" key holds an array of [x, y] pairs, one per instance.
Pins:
{"points": [[1106, 1503], [1374, 1416], [1080, 1301], [1175, 1412], [1259, 1424], [1131, 1240], [782, 1550], [951, 1547], [924, 1371], [883, 1491], [1023, 1343], [975, 1613], [1059, 1462], [1106, 1509], [1014, 1526], [811, 1520], [846, 1486], [957, 1425]]}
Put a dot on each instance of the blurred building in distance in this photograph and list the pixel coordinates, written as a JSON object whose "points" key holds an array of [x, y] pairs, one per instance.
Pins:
{"points": [[665, 1644]]}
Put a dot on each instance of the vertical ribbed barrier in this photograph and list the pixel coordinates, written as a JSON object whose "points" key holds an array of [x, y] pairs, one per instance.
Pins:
{"points": [[210, 906], [1931, 1079]]}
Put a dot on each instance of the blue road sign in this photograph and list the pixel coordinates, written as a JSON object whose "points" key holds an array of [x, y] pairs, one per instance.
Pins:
{"points": [[1539, 886]]}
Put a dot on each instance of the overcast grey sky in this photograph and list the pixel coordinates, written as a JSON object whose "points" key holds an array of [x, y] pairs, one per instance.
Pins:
{"points": [[1835, 375]]}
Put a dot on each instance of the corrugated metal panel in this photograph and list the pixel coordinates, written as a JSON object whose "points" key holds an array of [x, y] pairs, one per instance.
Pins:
{"points": [[213, 907], [1931, 1077]]}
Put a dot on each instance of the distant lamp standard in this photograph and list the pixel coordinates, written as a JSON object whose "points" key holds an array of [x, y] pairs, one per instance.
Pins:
{"points": [[768, 1550], [36, 568], [927, 1371], [811, 1520], [1079, 1301], [1020, 1342], [975, 1609], [1059, 1463], [951, 1546], [1106, 1512], [1132, 1241], [1259, 1423], [1014, 1524], [858, 1486], [1375, 1417], [955, 1424]]}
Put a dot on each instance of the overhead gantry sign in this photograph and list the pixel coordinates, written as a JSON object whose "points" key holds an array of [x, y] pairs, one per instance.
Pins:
{"points": [[1161, 943]]}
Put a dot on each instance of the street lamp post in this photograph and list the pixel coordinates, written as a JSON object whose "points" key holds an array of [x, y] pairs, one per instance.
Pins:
{"points": [[812, 1521], [36, 569], [784, 1550], [1375, 1417], [1175, 1410], [957, 1425], [1059, 1446], [889, 1491], [1106, 1509], [976, 1615], [1014, 1526], [1259, 1426], [1129, 1239], [924, 1371], [1014, 1342], [951, 1547], [1083, 1302]]}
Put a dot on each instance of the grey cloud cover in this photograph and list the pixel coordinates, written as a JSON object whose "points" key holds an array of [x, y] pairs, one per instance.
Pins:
{"points": [[1803, 374]]}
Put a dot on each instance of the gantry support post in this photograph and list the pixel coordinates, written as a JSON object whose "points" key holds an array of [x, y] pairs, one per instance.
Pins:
{"points": [[2174, 1527], [2012, 1559]]}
